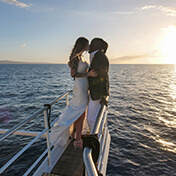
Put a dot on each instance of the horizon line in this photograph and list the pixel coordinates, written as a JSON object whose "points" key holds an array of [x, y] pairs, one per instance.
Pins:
{"points": [[6, 62]]}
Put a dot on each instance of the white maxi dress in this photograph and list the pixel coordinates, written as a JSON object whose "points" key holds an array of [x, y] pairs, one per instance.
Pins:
{"points": [[61, 129]]}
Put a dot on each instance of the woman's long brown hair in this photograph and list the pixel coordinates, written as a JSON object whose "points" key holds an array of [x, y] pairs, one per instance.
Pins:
{"points": [[80, 46]]}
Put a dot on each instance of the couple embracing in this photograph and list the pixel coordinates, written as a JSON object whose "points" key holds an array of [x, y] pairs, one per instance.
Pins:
{"points": [[91, 86]]}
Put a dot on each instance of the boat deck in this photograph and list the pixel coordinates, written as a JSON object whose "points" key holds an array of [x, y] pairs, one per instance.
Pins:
{"points": [[70, 163]]}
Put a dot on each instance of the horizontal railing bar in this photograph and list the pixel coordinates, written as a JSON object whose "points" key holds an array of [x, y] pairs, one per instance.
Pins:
{"points": [[105, 148], [18, 126], [102, 147], [98, 120], [15, 128], [54, 121], [59, 98], [21, 151], [103, 137], [36, 162], [90, 167], [23, 133], [103, 121], [102, 126]]}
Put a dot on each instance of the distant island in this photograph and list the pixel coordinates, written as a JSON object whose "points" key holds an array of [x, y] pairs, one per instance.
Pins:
{"points": [[19, 62]]}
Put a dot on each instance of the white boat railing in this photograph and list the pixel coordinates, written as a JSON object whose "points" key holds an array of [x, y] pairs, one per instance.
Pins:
{"points": [[44, 133], [100, 128]]}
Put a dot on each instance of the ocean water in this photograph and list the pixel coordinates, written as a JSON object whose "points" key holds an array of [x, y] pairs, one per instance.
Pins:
{"points": [[141, 118]]}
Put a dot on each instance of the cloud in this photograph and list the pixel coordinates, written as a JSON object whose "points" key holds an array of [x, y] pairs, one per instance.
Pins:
{"points": [[130, 58], [103, 14], [23, 45], [147, 7], [122, 13], [169, 11], [17, 3], [171, 27]]}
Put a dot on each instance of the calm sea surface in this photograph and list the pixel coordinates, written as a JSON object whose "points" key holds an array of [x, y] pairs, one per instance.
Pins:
{"points": [[141, 119]]}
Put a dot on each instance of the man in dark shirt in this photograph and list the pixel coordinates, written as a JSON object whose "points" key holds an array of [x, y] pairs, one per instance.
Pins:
{"points": [[98, 86]]}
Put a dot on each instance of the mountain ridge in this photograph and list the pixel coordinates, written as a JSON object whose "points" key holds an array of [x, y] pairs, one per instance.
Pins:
{"points": [[21, 62]]}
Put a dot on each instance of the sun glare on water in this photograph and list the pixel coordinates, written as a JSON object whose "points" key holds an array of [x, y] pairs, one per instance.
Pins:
{"points": [[168, 46]]}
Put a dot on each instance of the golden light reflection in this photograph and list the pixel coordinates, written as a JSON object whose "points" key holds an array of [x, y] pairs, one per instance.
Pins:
{"points": [[168, 146], [168, 122], [173, 90], [164, 143], [168, 45]]}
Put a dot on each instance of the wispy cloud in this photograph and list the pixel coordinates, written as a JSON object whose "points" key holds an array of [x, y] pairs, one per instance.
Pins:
{"points": [[17, 3], [168, 28], [122, 12], [130, 58], [23, 45], [79, 12], [169, 11], [148, 7]]}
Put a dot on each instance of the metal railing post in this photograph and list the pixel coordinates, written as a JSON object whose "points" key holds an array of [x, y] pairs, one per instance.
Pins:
{"points": [[47, 136], [67, 100], [88, 161], [98, 120]]}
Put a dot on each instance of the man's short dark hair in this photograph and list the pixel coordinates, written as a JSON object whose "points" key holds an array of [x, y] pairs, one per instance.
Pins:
{"points": [[104, 46], [98, 44]]}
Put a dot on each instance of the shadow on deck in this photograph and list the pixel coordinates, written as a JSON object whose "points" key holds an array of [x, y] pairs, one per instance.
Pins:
{"points": [[70, 163]]}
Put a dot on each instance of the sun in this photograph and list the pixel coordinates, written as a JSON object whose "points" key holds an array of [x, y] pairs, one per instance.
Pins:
{"points": [[168, 46]]}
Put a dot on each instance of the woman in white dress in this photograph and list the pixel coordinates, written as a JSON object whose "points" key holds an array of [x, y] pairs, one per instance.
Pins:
{"points": [[75, 111]]}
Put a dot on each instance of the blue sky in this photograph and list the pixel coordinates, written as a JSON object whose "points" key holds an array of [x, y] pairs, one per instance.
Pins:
{"points": [[45, 31]]}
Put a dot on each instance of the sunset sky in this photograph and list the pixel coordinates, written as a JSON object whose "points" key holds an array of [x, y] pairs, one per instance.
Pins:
{"points": [[138, 31]]}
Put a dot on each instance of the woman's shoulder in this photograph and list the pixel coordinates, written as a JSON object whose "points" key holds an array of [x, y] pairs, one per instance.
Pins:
{"points": [[76, 59]]}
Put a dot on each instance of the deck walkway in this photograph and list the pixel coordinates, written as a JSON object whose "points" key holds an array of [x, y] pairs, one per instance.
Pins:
{"points": [[70, 163]]}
